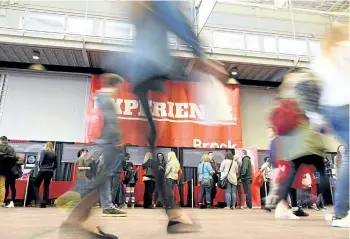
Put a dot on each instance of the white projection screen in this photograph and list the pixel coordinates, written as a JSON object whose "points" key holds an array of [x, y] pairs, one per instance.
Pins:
{"points": [[45, 106]]}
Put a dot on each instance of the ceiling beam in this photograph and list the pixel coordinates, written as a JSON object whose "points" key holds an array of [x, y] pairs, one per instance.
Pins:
{"points": [[203, 11], [274, 7]]}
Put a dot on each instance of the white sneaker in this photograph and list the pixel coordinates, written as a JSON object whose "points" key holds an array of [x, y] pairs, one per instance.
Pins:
{"points": [[328, 216], [11, 205], [284, 213], [343, 223], [227, 208]]}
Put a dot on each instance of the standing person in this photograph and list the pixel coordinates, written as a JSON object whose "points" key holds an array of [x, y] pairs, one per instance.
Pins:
{"points": [[239, 184], [334, 71], [205, 172], [152, 63], [246, 177], [15, 173], [8, 159], [110, 142], [229, 170], [47, 165], [161, 171], [215, 178], [171, 177], [267, 175], [130, 181], [82, 168], [149, 181]]}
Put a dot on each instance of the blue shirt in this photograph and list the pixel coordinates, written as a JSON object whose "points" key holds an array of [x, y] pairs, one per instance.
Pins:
{"points": [[204, 170]]}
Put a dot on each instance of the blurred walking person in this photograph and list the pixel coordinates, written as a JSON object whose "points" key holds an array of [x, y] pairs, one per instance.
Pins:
{"points": [[108, 138], [334, 72]]}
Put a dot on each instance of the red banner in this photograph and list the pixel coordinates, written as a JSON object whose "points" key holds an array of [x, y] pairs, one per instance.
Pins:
{"points": [[178, 116]]}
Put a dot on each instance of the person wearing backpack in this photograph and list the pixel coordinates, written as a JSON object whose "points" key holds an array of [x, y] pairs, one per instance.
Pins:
{"points": [[130, 180], [246, 177]]}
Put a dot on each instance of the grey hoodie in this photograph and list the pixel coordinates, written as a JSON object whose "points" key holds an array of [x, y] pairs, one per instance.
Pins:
{"points": [[110, 132]]}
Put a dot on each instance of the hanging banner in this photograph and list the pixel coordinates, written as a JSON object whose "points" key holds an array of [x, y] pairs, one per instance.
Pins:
{"points": [[178, 115]]}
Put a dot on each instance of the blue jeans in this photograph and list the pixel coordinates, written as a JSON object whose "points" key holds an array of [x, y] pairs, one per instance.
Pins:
{"points": [[205, 191], [230, 195], [338, 117]]}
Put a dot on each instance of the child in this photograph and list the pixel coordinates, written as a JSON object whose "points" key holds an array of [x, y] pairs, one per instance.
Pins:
{"points": [[130, 181]]}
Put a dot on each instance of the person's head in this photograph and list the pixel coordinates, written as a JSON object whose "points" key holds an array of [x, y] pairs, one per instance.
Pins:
{"points": [[130, 165], [271, 132], [341, 150], [147, 157], [335, 44], [160, 157], [4, 140], [49, 147], [244, 152], [266, 159], [229, 155], [211, 155], [111, 82], [206, 158], [172, 156], [82, 152], [233, 151]]}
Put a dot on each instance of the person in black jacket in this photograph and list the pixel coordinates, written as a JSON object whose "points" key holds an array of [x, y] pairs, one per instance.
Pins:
{"points": [[161, 170], [8, 159], [47, 166]]}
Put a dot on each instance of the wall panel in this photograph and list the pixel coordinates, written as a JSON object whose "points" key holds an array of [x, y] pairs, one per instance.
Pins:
{"points": [[43, 106]]}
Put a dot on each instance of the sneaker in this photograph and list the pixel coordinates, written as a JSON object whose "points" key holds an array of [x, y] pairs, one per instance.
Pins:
{"points": [[227, 208], [284, 213], [341, 222], [300, 213], [113, 212], [11, 205]]}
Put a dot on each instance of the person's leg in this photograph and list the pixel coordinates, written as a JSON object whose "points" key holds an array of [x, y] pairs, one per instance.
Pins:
{"points": [[339, 120], [146, 200], [105, 195], [239, 189], [213, 192], [233, 196], [47, 181], [7, 185], [38, 180], [2, 190], [170, 189], [13, 189], [228, 192], [293, 193], [114, 188], [132, 194], [201, 195], [128, 195], [248, 192]]}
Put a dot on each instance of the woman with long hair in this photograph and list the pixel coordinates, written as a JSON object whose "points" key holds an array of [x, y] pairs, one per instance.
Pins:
{"points": [[161, 170], [229, 170], [171, 177], [205, 172], [47, 165], [149, 180]]}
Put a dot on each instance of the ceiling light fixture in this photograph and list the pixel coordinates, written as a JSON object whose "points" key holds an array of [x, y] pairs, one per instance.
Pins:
{"points": [[36, 55], [234, 71]]}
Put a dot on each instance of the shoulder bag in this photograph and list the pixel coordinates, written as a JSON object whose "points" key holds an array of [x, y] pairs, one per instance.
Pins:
{"points": [[223, 182]]}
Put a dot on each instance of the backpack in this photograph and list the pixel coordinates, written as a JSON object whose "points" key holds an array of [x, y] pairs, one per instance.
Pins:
{"points": [[285, 116], [94, 125]]}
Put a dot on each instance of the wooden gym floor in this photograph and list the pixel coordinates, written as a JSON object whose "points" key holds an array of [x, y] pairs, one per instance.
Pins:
{"points": [[32, 223]]}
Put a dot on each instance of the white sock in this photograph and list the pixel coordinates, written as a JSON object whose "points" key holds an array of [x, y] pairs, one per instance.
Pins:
{"points": [[294, 209]]}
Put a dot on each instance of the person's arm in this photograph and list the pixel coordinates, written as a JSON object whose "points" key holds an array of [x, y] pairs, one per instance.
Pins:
{"points": [[42, 156], [263, 167], [168, 169], [136, 176], [82, 166], [244, 167], [54, 163]]}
